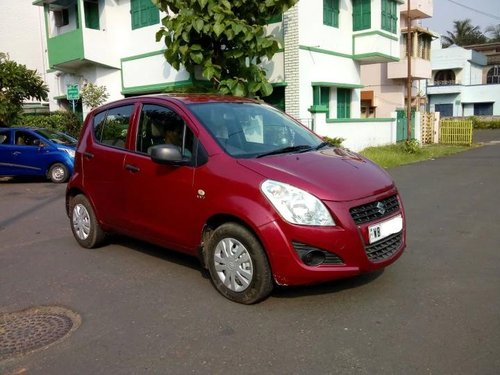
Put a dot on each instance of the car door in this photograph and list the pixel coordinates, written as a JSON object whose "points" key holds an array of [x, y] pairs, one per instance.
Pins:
{"points": [[161, 197], [6, 152], [103, 152], [27, 157]]}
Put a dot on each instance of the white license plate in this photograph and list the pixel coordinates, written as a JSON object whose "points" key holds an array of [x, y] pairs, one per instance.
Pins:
{"points": [[385, 228]]}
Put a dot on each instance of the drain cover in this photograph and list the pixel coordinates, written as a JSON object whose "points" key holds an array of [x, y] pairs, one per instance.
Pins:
{"points": [[25, 331]]}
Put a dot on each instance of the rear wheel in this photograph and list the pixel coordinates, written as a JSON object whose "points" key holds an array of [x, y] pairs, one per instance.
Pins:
{"points": [[238, 264], [86, 229], [58, 173]]}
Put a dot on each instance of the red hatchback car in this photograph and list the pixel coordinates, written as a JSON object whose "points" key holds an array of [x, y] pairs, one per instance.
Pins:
{"points": [[259, 198]]}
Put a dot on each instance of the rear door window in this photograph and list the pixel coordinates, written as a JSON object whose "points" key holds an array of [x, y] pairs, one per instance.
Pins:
{"points": [[111, 127]]}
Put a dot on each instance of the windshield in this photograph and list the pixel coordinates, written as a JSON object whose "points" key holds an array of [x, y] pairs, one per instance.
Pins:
{"points": [[247, 130], [57, 137]]}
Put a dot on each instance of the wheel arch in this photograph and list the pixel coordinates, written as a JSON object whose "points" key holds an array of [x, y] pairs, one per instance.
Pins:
{"points": [[216, 221]]}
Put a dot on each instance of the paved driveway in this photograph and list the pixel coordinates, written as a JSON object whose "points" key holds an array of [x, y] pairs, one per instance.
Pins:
{"points": [[146, 310]]}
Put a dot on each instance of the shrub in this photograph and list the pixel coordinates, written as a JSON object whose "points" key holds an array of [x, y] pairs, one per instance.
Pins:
{"points": [[411, 146], [485, 122], [337, 141], [63, 121]]}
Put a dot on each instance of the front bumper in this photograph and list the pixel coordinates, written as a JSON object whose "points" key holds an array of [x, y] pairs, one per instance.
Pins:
{"points": [[347, 244]]}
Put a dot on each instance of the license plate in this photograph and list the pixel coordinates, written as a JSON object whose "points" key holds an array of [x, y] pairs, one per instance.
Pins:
{"points": [[385, 229]]}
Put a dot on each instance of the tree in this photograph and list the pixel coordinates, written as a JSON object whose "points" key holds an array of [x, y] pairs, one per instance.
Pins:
{"points": [[494, 31], [93, 96], [464, 34], [17, 84], [224, 38]]}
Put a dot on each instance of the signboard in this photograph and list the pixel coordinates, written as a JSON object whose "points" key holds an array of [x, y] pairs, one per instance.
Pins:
{"points": [[72, 92]]}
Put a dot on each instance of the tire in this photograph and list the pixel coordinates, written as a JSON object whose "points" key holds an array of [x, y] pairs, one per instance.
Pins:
{"points": [[238, 264], [58, 173], [84, 225]]}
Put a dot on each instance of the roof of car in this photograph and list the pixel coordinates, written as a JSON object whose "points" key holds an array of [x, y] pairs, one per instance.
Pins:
{"points": [[187, 98]]}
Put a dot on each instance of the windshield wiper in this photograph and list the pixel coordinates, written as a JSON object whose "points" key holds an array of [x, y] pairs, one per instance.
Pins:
{"points": [[286, 150], [321, 145]]}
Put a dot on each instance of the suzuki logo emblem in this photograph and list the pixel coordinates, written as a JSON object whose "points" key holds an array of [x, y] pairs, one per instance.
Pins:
{"points": [[381, 208]]}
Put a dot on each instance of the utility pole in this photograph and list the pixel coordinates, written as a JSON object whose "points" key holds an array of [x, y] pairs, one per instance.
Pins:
{"points": [[408, 77]]}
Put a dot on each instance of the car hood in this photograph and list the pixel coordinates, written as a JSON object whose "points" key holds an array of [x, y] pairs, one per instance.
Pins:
{"points": [[333, 174]]}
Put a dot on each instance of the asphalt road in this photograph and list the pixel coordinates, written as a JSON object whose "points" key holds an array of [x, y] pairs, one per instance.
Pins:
{"points": [[146, 310]]}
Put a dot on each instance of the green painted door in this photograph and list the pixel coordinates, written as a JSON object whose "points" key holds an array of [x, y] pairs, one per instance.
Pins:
{"points": [[402, 127]]}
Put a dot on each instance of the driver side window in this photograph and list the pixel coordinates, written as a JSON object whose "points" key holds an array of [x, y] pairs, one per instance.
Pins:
{"points": [[160, 125]]}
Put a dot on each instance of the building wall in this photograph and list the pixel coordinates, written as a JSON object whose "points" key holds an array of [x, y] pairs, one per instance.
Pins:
{"points": [[469, 90], [22, 35]]}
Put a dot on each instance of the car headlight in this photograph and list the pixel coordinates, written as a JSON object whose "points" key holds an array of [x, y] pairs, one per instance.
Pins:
{"points": [[69, 151], [296, 205]]}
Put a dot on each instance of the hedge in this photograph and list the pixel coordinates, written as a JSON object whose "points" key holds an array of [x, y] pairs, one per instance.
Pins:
{"points": [[66, 122], [485, 122]]}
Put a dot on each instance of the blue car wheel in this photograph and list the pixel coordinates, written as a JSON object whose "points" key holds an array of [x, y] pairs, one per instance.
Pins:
{"points": [[58, 173]]}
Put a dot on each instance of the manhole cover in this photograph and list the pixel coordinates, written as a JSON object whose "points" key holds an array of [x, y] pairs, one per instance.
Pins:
{"points": [[25, 331]]}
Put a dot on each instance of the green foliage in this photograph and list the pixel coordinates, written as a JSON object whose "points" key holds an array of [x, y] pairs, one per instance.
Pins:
{"points": [[411, 146], [485, 122], [337, 141], [494, 33], [93, 96], [464, 34], [394, 155], [17, 84], [226, 39], [64, 121]]}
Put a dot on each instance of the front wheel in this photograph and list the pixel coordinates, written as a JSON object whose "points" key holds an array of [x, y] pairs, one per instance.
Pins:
{"points": [[58, 173], [238, 264], [86, 229]]}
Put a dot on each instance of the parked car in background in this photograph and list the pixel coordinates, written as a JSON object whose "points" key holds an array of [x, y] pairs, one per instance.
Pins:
{"points": [[36, 152], [259, 198]]}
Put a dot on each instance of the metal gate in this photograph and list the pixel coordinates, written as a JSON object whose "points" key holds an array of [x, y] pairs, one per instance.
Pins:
{"points": [[402, 127]]}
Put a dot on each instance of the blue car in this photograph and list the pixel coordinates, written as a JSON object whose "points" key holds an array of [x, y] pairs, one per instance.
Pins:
{"points": [[36, 152]]}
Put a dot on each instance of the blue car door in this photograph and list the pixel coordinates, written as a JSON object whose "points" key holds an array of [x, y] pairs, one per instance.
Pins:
{"points": [[26, 155], [6, 152]]}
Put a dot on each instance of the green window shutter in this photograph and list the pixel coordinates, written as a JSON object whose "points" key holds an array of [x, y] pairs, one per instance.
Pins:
{"points": [[276, 18], [325, 97], [385, 15], [331, 13], [343, 103], [91, 10], [135, 13], [143, 13], [389, 16], [321, 99], [394, 17], [361, 15]]}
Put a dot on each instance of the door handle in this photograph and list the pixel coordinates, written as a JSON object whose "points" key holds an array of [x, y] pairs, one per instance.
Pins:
{"points": [[132, 168], [88, 155], [15, 153]]}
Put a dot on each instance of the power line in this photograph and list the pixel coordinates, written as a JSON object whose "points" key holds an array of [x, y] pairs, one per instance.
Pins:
{"points": [[476, 10]]}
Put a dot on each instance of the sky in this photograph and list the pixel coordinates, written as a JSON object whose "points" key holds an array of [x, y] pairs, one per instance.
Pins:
{"points": [[483, 13]]}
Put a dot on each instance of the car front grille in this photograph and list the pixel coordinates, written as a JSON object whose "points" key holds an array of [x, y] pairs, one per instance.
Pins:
{"points": [[385, 248], [374, 210]]}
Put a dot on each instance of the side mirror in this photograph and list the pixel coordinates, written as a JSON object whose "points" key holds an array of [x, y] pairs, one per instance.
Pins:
{"points": [[167, 154]]}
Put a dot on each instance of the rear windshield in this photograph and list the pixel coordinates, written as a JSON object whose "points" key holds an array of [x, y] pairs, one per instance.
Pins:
{"points": [[248, 130], [57, 137]]}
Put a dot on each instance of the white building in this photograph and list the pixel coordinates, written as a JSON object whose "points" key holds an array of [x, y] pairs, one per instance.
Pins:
{"points": [[386, 84], [316, 76], [23, 39], [459, 85]]}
